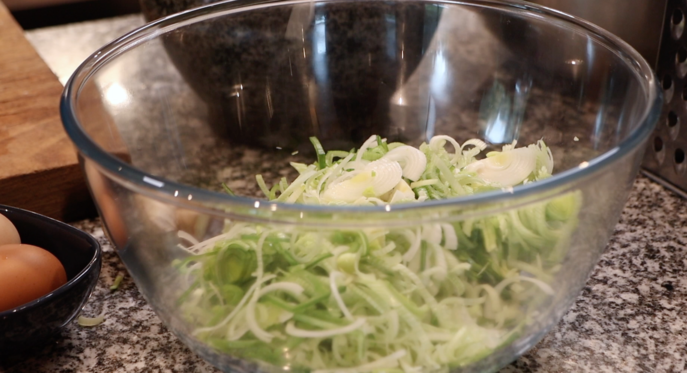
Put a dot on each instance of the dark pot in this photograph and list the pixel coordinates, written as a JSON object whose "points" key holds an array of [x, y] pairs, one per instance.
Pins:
{"points": [[264, 89]]}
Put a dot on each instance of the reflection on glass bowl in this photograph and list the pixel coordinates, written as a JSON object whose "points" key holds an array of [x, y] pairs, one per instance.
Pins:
{"points": [[214, 96]]}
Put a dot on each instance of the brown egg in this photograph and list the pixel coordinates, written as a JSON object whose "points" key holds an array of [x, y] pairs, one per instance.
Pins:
{"points": [[8, 233], [27, 272]]}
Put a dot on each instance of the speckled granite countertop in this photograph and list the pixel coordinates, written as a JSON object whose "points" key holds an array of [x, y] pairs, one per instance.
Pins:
{"points": [[629, 318]]}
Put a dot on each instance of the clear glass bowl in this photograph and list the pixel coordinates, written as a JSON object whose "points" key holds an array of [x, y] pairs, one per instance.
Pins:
{"points": [[164, 115]]}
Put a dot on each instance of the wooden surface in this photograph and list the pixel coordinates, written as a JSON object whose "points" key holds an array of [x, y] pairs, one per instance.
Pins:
{"points": [[39, 170]]}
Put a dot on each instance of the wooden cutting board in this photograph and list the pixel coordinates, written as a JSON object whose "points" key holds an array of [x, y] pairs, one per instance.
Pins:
{"points": [[39, 169]]}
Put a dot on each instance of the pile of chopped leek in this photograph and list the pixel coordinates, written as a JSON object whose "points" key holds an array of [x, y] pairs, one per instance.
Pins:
{"points": [[380, 173], [416, 299]]}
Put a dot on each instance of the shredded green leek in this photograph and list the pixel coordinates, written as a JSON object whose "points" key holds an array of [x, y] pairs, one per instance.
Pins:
{"points": [[228, 190], [416, 299], [117, 282], [320, 152], [90, 321]]}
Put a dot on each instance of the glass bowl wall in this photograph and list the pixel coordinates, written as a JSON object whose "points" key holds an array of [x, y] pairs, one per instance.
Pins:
{"points": [[166, 114]]}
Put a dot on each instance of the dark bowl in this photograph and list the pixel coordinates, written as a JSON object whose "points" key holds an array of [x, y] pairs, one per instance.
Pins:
{"points": [[35, 323], [225, 64]]}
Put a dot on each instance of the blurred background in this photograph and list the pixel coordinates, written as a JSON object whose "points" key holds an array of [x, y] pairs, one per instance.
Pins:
{"points": [[636, 21], [32, 14], [655, 28]]}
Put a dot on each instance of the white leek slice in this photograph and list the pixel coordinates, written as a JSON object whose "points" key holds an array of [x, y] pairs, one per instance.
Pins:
{"points": [[440, 141], [363, 148], [545, 156], [327, 333], [375, 179], [412, 161], [402, 193], [506, 168]]}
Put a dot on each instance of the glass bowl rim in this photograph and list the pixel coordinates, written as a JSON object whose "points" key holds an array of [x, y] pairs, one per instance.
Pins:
{"points": [[182, 194]]}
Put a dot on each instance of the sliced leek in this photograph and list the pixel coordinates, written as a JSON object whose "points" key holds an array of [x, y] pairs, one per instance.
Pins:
{"points": [[380, 173], [424, 298], [506, 168]]}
